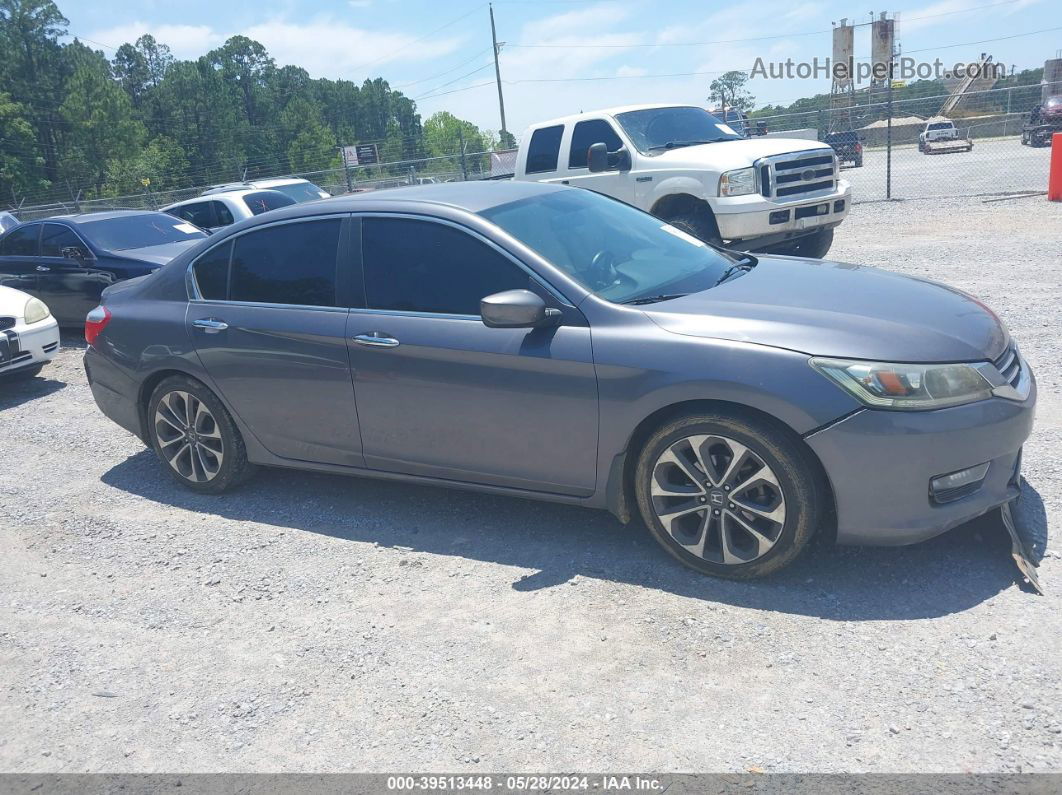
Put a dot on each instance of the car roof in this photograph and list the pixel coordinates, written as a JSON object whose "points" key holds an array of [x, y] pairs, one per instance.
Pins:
{"points": [[613, 111], [474, 196], [102, 215], [229, 194], [254, 184]]}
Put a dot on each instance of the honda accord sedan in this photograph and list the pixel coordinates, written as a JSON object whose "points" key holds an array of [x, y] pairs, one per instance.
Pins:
{"points": [[548, 342], [68, 261]]}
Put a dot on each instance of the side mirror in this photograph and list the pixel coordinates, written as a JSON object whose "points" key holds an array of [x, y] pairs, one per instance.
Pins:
{"points": [[620, 159], [597, 158], [517, 309]]}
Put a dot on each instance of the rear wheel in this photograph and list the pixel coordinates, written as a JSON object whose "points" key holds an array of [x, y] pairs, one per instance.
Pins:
{"points": [[195, 438], [727, 496]]}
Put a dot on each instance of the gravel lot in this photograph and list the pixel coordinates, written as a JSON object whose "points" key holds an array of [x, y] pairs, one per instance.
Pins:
{"points": [[319, 623]]}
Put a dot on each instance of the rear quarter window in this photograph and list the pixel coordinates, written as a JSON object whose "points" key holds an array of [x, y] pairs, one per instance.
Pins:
{"points": [[544, 149]]}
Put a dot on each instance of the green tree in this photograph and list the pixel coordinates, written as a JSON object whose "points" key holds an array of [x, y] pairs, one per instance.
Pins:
{"points": [[162, 163], [99, 125], [728, 91], [313, 149], [21, 165]]}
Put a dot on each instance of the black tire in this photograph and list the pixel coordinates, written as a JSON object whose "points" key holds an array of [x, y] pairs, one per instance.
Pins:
{"points": [[803, 493], [224, 439], [814, 246], [23, 375], [859, 162], [698, 223]]}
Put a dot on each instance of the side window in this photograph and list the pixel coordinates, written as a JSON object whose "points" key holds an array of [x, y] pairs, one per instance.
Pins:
{"points": [[287, 264], [266, 200], [588, 133], [20, 242], [222, 215], [200, 214], [543, 150], [212, 273], [420, 266], [55, 238]]}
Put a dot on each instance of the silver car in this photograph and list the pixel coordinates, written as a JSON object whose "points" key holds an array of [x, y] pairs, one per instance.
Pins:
{"points": [[548, 342]]}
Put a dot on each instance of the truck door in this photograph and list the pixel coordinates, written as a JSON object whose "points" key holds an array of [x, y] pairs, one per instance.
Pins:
{"points": [[615, 183]]}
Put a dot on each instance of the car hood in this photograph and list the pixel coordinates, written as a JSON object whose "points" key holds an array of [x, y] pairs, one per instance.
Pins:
{"points": [[835, 309], [158, 255], [724, 155]]}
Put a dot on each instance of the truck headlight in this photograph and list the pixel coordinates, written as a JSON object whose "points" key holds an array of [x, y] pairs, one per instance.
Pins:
{"points": [[738, 182], [906, 386], [36, 311]]}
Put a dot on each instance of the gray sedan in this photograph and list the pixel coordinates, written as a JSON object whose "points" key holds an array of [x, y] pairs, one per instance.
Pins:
{"points": [[549, 342]]}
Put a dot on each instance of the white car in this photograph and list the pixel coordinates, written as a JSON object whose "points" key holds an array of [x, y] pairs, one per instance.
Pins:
{"points": [[301, 190], [7, 221], [29, 335], [219, 210]]}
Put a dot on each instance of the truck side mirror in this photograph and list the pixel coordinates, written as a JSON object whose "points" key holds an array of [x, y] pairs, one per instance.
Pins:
{"points": [[597, 157], [620, 159]]}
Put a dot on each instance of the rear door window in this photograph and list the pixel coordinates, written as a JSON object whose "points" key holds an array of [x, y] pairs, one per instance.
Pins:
{"points": [[20, 242], [543, 150], [588, 133], [287, 264]]}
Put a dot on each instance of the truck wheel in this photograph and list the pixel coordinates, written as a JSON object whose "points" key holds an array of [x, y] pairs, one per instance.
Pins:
{"points": [[698, 223], [859, 162], [813, 246]]}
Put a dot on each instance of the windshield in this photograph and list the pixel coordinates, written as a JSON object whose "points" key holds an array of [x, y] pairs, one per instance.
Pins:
{"points": [[619, 253], [300, 191], [666, 128], [140, 231], [265, 200]]}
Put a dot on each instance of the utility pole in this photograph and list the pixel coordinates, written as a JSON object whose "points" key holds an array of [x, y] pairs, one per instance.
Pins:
{"points": [[497, 71], [346, 170]]}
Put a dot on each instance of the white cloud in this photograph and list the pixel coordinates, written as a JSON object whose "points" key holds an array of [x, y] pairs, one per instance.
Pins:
{"points": [[185, 41], [631, 71], [324, 47]]}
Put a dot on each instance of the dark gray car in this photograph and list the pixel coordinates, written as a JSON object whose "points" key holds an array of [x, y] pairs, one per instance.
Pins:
{"points": [[548, 342]]}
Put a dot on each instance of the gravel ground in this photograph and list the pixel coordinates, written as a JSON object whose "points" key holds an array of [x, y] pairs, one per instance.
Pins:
{"points": [[320, 623]]}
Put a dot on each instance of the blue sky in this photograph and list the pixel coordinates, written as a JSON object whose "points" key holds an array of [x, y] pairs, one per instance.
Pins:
{"points": [[439, 53]]}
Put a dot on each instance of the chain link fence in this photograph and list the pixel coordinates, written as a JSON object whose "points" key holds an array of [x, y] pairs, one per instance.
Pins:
{"points": [[987, 158]]}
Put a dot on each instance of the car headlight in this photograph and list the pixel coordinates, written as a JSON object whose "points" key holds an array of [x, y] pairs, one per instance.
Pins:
{"points": [[739, 182], [906, 386], [36, 311]]}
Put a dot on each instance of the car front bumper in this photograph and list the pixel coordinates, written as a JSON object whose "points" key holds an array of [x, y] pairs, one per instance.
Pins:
{"points": [[753, 216], [29, 345], [880, 463]]}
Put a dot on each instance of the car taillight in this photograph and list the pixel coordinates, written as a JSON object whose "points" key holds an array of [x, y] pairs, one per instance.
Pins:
{"points": [[859, 147], [95, 322]]}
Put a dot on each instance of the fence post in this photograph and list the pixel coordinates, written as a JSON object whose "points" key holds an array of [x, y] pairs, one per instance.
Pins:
{"points": [[346, 170], [888, 139], [464, 166]]}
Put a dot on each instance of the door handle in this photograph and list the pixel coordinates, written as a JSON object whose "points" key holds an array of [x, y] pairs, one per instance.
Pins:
{"points": [[43, 268], [210, 326], [376, 339]]}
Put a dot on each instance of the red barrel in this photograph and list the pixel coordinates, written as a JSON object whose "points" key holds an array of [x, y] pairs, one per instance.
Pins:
{"points": [[1054, 177]]}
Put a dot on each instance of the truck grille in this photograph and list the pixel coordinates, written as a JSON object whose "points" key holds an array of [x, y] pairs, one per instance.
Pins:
{"points": [[798, 175], [1009, 365]]}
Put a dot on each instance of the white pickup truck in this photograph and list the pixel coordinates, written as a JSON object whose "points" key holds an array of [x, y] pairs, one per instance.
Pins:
{"points": [[687, 167]]}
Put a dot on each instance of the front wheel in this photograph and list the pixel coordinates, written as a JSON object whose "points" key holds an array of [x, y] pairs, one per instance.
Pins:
{"points": [[700, 224], [195, 438], [727, 496]]}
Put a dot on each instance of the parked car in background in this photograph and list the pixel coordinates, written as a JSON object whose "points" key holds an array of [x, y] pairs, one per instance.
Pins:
{"points": [[940, 136], [223, 209], [847, 145], [29, 335], [1044, 121], [301, 190], [67, 261], [7, 221], [545, 342], [739, 122], [687, 167]]}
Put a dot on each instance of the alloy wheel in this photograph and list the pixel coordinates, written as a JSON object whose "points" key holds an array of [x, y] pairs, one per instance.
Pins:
{"points": [[718, 499], [189, 436]]}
